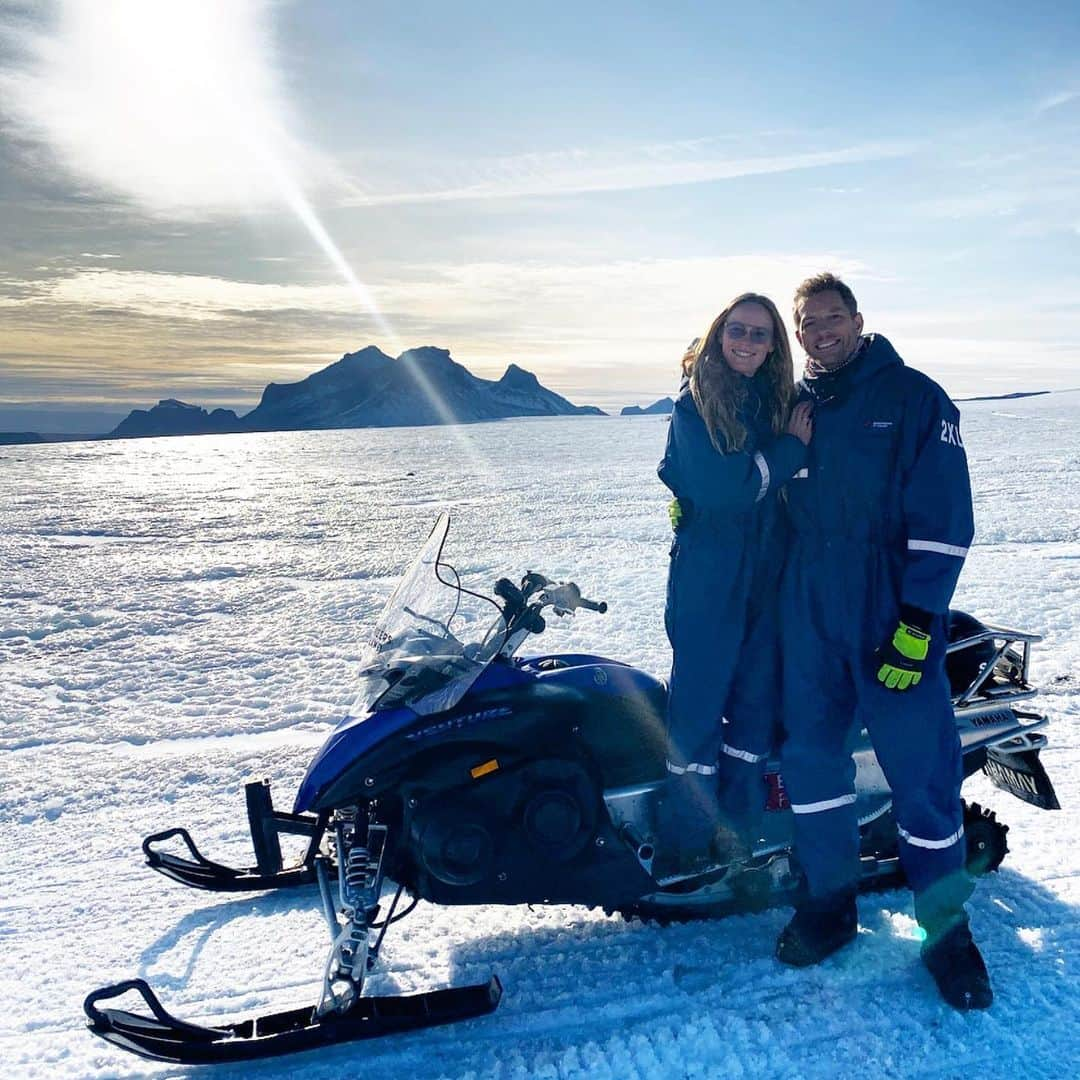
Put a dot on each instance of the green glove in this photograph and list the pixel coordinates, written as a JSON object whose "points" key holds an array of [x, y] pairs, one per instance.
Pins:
{"points": [[902, 658], [674, 513]]}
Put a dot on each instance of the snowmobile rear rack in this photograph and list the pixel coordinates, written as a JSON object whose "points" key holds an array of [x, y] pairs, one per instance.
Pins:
{"points": [[163, 1037], [269, 871], [996, 671]]}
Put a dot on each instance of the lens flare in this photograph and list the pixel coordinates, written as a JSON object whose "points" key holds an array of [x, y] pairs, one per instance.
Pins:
{"points": [[177, 106], [296, 201]]}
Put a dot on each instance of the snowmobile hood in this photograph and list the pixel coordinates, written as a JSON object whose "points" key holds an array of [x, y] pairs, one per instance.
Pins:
{"points": [[357, 735], [572, 674], [352, 737]]}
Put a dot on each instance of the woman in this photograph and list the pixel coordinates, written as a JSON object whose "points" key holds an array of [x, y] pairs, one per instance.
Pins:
{"points": [[731, 446]]}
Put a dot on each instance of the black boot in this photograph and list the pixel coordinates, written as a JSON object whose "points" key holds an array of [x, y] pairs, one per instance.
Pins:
{"points": [[957, 966], [819, 927]]}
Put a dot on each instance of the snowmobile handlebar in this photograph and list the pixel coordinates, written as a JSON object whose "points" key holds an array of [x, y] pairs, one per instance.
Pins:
{"points": [[567, 598], [563, 597]]}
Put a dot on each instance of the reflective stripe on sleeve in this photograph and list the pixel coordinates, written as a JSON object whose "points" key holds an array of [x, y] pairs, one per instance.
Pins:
{"points": [[743, 755], [934, 545], [763, 468], [825, 804], [934, 845], [694, 766]]}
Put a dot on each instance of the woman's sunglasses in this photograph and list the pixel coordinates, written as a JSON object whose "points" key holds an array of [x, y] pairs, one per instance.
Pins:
{"points": [[758, 335]]}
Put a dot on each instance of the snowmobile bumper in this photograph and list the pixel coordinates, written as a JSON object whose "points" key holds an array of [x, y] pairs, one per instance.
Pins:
{"points": [[1015, 767], [267, 825], [162, 1037]]}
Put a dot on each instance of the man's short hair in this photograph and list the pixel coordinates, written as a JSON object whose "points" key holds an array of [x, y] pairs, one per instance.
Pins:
{"points": [[820, 283]]}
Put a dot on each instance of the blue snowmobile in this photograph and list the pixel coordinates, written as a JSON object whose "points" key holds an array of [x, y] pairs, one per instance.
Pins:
{"points": [[464, 774]]}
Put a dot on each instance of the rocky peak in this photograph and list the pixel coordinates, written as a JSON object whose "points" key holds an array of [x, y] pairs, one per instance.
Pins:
{"points": [[519, 378]]}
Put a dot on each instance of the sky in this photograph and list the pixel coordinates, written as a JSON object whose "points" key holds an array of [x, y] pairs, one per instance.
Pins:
{"points": [[198, 197]]}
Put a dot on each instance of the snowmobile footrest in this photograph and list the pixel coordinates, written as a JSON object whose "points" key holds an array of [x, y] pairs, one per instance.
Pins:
{"points": [[202, 873], [163, 1037], [267, 825]]}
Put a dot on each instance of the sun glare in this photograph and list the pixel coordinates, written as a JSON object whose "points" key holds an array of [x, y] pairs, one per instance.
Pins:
{"points": [[176, 105], [154, 99]]}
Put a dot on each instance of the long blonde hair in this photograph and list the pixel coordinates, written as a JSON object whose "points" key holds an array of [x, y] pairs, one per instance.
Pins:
{"points": [[718, 391]]}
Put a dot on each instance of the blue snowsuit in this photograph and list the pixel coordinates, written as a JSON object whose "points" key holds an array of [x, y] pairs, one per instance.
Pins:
{"points": [[720, 611], [881, 517]]}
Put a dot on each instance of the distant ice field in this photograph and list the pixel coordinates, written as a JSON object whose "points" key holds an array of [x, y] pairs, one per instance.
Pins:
{"points": [[177, 615]]}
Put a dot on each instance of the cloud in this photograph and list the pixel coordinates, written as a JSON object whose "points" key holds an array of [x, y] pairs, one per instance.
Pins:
{"points": [[184, 296], [574, 172], [593, 330], [998, 203], [627, 319], [1055, 101], [1030, 188], [513, 301], [174, 104], [969, 364]]}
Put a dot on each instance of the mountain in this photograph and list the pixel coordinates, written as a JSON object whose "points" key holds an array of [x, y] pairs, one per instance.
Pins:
{"points": [[662, 407], [312, 401], [422, 386], [1006, 397], [368, 389], [521, 390], [172, 417]]}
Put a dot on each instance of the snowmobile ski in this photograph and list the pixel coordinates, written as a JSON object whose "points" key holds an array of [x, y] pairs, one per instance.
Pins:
{"points": [[163, 1037]]}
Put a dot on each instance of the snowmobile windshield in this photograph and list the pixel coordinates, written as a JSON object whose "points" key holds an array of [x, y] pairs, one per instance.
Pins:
{"points": [[432, 641]]}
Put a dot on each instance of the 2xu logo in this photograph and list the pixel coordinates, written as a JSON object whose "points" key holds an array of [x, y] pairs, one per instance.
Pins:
{"points": [[950, 433]]}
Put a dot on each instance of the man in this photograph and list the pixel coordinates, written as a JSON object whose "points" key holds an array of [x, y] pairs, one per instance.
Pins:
{"points": [[882, 520]]}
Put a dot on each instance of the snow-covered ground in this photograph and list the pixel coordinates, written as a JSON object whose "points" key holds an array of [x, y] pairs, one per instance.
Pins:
{"points": [[179, 615]]}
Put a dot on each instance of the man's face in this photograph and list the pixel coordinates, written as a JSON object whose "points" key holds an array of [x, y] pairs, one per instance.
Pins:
{"points": [[827, 330]]}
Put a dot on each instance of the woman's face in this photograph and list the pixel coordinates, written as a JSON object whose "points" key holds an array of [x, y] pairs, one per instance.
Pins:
{"points": [[747, 338]]}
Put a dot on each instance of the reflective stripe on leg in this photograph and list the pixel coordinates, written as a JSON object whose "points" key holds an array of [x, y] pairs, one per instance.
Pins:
{"points": [[691, 767], [933, 845], [742, 755], [825, 804]]}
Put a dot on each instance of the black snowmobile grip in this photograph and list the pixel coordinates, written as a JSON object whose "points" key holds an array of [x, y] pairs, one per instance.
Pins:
{"points": [[163, 1037]]}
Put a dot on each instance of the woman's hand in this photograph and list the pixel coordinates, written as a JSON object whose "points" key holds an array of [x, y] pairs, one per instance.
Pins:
{"points": [[801, 424]]}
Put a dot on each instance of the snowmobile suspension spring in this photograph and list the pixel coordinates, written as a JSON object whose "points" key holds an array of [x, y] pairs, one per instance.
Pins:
{"points": [[357, 873]]}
